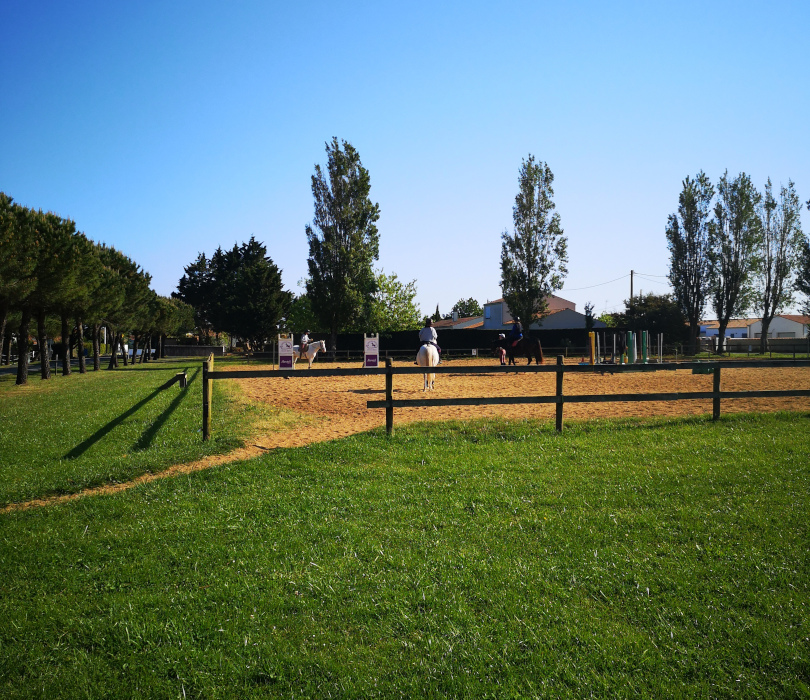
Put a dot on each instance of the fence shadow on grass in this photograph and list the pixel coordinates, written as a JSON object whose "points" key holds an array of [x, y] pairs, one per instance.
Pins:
{"points": [[146, 439], [85, 445]]}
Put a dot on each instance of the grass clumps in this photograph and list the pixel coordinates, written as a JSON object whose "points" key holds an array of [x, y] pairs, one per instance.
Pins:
{"points": [[477, 559]]}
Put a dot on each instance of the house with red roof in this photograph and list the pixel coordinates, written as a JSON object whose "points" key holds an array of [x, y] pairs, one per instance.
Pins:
{"points": [[562, 314]]}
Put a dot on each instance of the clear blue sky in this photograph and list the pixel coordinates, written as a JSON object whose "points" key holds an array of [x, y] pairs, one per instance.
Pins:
{"points": [[169, 128]]}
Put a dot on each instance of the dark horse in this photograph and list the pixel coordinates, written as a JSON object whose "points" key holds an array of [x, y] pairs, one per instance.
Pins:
{"points": [[526, 346]]}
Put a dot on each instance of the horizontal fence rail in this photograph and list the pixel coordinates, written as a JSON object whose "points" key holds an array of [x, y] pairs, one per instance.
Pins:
{"points": [[559, 398]]}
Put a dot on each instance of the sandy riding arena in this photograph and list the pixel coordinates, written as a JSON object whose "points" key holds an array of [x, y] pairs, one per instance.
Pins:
{"points": [[337, 405]]}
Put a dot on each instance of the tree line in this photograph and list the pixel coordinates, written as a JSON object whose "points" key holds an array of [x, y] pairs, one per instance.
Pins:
{"points": [[57, 281], [735, 250], [343, 291], [240, 291]]}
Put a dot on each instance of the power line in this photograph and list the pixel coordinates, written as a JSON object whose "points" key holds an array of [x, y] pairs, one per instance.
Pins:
{"points": [[601, 284], [650, 280]]}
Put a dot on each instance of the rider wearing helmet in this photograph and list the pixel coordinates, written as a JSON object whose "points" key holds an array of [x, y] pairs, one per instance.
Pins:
{"points": [[428, 336], [515, 334], [304, 341]]}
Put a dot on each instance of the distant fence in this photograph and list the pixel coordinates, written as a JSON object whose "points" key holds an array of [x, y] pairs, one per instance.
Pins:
{"points": [[193, 350], [559, 398]]}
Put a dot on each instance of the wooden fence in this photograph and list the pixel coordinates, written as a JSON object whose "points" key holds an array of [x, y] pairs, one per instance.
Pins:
{"points": [[559, 398]]}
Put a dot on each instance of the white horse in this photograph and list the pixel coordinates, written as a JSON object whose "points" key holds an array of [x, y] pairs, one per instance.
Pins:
{"points": [[312, 350], [428, 356]]}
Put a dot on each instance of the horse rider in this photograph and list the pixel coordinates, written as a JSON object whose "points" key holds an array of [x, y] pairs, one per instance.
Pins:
{"points": [[305, 340], [428, 336], [515, 334]]}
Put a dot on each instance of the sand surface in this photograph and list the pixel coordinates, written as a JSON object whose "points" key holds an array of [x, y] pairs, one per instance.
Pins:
{"points": [[338, 404]]}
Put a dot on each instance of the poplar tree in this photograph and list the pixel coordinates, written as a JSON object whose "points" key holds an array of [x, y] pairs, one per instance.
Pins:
{"points": [[734, 246], [534, 258], [688, 241], [343, 241], [803, 276], [780, 252]]}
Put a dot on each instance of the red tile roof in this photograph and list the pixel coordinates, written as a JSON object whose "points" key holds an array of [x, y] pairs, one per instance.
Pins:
{"points": [[733, 323]]}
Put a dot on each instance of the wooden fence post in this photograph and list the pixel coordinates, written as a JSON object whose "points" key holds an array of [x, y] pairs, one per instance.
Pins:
{"points": [[389, 396], [716, 391], [208, 390], [559, 394]]}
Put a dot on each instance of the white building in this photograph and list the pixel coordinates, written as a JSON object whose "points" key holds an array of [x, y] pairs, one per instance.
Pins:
{"points": [[782, 326]]}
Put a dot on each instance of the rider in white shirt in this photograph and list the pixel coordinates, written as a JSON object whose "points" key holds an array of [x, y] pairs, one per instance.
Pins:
{"points": [[304, 342], [428, 336]]}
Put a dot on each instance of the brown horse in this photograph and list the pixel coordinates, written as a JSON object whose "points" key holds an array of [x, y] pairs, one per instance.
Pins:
{"points": [[526, 346]]}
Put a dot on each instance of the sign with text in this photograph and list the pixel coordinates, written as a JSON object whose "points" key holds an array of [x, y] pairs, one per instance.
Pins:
{"points": [[371, 350], [285, 351]]}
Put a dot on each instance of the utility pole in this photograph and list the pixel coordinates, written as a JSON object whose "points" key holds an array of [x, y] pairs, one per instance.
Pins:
{"points": [[631, 286]]}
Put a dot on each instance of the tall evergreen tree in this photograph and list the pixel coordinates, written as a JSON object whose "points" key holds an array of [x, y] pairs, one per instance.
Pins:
{"points": [[343, 240], [238, 291], [17, 258], [256, 301], [688, 241], [780, 254], [734, 240], [534, 258], [108, 300], [56, 253], [196, 288]]}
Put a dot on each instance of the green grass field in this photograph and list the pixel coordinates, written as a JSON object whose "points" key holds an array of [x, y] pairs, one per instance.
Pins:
{"points": [[70, 433], [487, 559]]}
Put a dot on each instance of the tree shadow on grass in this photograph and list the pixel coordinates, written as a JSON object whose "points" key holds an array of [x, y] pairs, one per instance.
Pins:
{"points": [[82, 447], [146, 439]]}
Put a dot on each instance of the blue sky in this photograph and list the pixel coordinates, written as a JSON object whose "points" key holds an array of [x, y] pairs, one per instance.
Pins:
{"points": [[169, 128]]}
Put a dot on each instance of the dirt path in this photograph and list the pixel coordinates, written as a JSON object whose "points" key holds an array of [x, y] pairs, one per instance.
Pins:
{"points": [[337, 405]]}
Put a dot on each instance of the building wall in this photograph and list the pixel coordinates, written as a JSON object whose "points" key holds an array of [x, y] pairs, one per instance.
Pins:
{"points": [[779, 325], [497, 316]]}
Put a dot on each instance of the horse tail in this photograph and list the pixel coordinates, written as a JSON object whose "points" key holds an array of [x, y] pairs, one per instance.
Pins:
{"points": [[539, 351]]}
